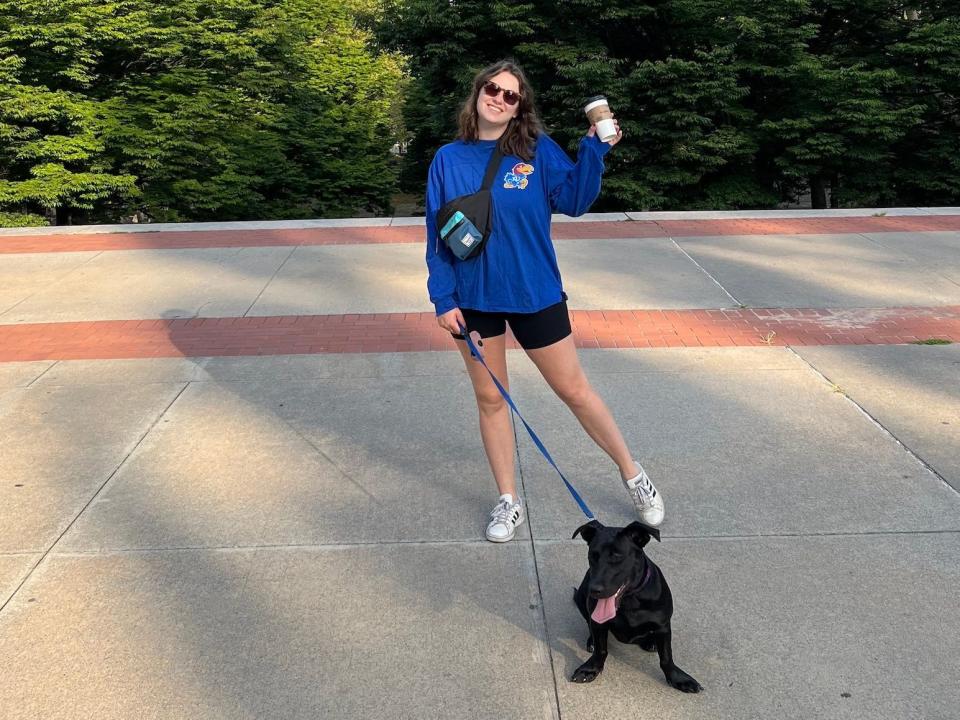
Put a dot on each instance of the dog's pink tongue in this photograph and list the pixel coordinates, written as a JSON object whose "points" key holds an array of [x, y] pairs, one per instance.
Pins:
{"points": [[605, 610]]}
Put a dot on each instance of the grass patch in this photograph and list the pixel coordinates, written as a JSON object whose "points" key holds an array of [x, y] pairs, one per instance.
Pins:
{"points": [[932, 341]]}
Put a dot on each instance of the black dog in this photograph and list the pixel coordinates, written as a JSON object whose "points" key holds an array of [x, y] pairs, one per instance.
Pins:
{"points": [[624, 593]]}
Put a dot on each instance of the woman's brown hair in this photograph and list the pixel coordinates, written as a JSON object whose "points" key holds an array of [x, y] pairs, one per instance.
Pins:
{"points": [[520, 137]]}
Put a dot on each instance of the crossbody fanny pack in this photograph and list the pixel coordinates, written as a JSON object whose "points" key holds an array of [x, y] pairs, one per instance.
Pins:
{"points": [[464, 224]]}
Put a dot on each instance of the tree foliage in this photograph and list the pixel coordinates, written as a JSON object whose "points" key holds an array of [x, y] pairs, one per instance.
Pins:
{"points": [[724, 103], [243, 109], [195, 110]]}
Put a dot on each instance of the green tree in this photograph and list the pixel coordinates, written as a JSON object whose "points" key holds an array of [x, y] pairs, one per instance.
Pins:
{"points": [[844, 114], [192, 110], [52, 156], [254, 109], [445, 44], [724, 103], [671, 85], [928, 155]]}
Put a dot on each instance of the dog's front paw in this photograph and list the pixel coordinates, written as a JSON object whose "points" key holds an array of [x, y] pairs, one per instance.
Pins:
{"points": [[587, 672], [681, 681]]}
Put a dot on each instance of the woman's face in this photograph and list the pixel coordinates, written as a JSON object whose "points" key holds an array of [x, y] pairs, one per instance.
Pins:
{"points": [[494, 111]]}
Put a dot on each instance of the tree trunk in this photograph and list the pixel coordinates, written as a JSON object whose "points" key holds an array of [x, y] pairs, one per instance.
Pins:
{"points": [[818, 193], [835, 190], [64, 216]]}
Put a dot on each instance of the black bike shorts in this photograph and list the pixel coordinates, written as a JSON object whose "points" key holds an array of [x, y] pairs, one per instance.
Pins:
{"points": [[532, 330]]}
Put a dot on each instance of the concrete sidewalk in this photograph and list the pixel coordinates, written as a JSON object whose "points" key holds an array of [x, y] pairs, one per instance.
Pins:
{"points": [[301, 535]]}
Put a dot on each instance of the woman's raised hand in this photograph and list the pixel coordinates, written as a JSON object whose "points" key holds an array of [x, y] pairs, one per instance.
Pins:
{"points": [[593, 131]]}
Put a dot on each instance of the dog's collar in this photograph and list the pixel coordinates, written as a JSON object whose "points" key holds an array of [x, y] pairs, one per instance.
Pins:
{"points": [[647, 574], [618, 596]]}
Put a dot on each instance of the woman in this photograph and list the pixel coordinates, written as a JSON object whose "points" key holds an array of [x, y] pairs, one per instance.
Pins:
{"points": [[515, 279]]}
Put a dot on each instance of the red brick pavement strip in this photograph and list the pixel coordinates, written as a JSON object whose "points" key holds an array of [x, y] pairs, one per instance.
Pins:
{"points": [[170, 240], [408, 332]]}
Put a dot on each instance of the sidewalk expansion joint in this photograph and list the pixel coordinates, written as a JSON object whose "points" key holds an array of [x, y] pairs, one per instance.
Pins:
{"points": [[272, 277], [47, 369], [54, 282], [536, 571], [92, 498], [360, 544], [478, 543], [935, 269], [886, 431], [702, 269], [773, 536]]}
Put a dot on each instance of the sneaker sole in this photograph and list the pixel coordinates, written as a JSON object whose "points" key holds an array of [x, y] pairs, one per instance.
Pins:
{"points": [[640, 513], [509, 537]]}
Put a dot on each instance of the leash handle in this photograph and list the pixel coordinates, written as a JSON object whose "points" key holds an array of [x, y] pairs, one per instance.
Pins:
{"points": [[533, 436]]}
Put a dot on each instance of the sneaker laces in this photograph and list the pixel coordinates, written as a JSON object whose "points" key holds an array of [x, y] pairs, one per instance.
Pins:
{"points": [[644, 489], [502, 512]]}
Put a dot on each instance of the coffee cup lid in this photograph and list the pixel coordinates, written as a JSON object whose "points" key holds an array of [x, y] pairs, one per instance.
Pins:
{"points": [[594, 101]]}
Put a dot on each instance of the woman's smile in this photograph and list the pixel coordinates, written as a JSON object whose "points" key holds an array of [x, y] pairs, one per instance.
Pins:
{"points": [[495, 110]]}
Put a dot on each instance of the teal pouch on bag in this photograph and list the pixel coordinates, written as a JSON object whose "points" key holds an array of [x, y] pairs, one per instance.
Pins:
{"points": [[464, 224], [462, 237]]}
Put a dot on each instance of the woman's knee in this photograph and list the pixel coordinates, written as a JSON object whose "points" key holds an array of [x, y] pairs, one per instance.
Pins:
{"points": [[575, 393], [490, 401]]}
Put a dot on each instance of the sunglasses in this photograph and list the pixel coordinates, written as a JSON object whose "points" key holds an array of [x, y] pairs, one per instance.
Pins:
{"points": [[492, 90]]}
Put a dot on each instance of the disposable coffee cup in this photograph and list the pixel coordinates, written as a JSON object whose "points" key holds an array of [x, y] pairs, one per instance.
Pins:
{"points": [[598, 113]]}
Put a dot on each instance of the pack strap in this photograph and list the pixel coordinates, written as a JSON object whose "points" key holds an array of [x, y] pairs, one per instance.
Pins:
{"points": [[492, 168]]}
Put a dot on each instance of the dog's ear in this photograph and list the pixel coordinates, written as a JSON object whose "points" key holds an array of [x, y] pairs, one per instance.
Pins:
{"points": [[587, 531], [640, 533]]}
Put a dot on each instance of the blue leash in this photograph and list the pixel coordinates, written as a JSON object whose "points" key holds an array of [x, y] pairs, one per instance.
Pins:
{"points": [[536, 441]]}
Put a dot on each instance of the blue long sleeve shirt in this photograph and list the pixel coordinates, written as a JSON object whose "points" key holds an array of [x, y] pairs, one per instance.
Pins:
{"points": [[517, 270]]}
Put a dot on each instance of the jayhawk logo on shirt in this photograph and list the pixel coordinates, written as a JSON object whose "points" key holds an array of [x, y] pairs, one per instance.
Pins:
{"points": [[517, 177]]}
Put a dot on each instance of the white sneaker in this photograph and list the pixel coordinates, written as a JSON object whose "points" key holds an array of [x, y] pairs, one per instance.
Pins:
{"points": [[645, 498], [506, 517]]}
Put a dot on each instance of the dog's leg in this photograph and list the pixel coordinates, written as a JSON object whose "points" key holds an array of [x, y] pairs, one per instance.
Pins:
{"points": [[594, 665], [580, 600], [675, 676]]}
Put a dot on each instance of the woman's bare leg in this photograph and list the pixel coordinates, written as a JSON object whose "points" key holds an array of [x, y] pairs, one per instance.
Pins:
{"points": [[560, 367], [496, 429]]}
